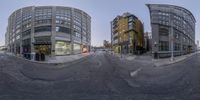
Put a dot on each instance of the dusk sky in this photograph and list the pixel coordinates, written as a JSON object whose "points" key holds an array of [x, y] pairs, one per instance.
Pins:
{"points": [[101, 12]]}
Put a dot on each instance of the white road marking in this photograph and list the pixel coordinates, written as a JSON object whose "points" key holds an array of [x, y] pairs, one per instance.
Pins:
{"points": [[134, 73]]}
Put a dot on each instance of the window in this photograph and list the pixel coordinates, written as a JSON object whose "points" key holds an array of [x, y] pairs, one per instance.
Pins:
{"points": [[84, 38], [62, 48], [77, 46], [43, 29], [84, 32], [43, 11], [44, 21], [25, 26], [163, 32], [63, 29], [176, 35], [177, 46], [77, 28], [130, 19], [17, 31], [77, 22], [18, 37], [26, 45], [77, 34], [130, 25], [25, 33], [63, 22], [164, 46]]}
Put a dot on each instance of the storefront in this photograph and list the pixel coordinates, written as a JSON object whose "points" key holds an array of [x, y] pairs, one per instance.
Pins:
{"points": [[42, 45], [62, 48], [77, 48]]}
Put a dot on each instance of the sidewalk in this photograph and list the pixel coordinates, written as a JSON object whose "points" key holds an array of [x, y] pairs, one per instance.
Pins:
{"points": [[156, 62], [167, 61], [128, 57], [65, 59], [57, 59]]}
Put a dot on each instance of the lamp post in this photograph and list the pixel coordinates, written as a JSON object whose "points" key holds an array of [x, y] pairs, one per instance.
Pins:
{"points": [[155, 53]]}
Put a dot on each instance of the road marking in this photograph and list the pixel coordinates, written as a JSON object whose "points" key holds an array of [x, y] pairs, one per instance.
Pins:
{"points": [[134, 73]]}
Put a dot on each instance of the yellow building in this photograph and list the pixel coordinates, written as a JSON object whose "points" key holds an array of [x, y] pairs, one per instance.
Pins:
{"points": [[127, 34]]}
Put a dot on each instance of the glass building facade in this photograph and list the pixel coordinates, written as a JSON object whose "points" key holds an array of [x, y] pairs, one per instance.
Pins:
{"points": [[173, 29], [52, 30]]}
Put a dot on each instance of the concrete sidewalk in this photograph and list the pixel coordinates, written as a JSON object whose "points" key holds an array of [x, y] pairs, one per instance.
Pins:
{"points": [[128, 57], [65, 59], [156, 62], [167, 61], [56, 59]]}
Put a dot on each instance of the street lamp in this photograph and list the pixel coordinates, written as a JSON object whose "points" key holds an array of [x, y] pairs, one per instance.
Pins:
{"points": [[155, 53]]}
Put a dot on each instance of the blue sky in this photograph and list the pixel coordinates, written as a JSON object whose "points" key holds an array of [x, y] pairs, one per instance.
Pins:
{"points": [[101, 11]]}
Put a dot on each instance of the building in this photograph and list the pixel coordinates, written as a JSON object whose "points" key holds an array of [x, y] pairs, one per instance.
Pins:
{"points": [[127, 34], [51, 30], [173, 30], [147, 41], [2, 48], [198, 45]]}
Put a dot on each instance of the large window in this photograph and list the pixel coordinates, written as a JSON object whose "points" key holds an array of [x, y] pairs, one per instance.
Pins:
{"points": [[130, 25], [27, 32], [77, 48], [77, 34], [43, 21], [163, 31], [63, 29], [43, 29], [164, 46], [43, 11], [177, 46], [26, 45], [62, 48]]}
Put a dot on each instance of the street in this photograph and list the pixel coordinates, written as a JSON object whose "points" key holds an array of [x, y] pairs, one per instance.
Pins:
{"points": [[100, 76]]}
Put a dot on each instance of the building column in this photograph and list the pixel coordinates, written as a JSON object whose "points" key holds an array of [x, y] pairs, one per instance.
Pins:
{"points": [[32, 30], [53, 31], [72, 31]]}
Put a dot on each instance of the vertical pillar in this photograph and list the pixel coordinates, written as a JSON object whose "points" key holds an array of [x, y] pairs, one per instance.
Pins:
{"points": [[32, 30], [72, 31], [53, 31]]}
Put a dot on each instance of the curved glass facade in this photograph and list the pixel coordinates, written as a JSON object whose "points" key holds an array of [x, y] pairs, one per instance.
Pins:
{"points": [[53, 30], [172, 23]]}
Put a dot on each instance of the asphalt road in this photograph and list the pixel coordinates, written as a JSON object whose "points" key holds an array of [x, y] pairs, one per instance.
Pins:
{"points": [[100, 76]]}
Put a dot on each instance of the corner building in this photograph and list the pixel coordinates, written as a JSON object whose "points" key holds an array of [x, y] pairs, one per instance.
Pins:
{"points": [[173, 29], [127, 34], [52, 30]]}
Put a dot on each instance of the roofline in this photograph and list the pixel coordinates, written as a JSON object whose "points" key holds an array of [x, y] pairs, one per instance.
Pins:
{"points": [[50, 6], [148, 5]]}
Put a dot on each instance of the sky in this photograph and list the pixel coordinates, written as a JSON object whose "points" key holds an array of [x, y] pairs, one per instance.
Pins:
{"points": [[102, 13]]}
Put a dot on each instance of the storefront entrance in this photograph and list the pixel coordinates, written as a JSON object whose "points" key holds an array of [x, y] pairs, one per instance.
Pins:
{"points": [[43, 49]]}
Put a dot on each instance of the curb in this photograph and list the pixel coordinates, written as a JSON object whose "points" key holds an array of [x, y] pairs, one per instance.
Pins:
{"points": [[47, 62], [187, 57]]}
